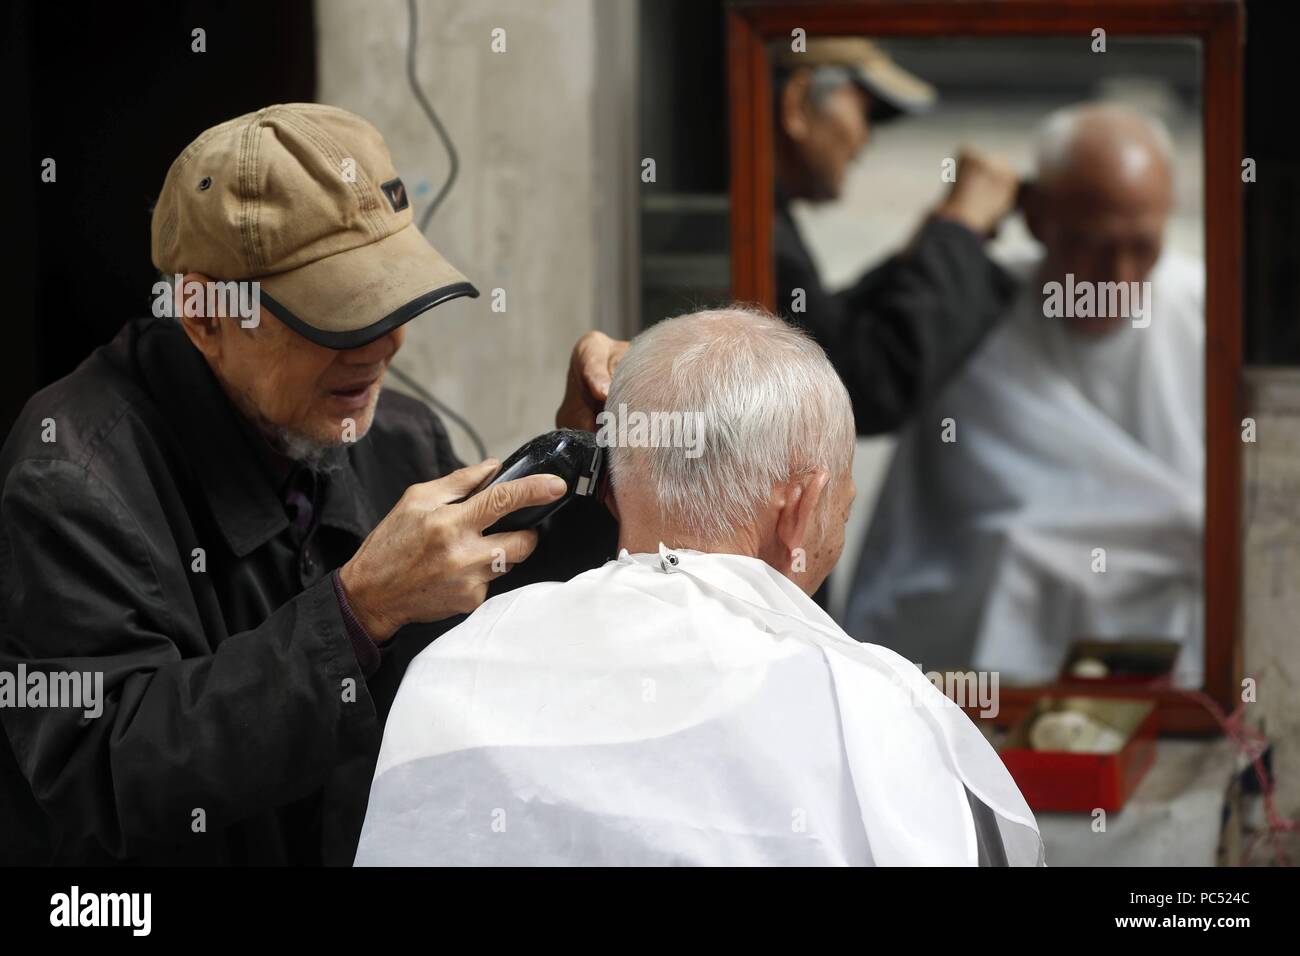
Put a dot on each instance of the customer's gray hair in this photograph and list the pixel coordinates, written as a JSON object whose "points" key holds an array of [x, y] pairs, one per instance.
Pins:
{"points": [[771, 405], [1060, 134]]}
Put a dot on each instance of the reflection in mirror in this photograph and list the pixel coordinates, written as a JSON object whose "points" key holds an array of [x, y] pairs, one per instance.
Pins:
{"points": [[1000, 243]]}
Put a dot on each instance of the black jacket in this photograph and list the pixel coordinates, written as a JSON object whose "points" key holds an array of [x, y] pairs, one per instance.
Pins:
{"points": [[901, 331], [237, 724]]}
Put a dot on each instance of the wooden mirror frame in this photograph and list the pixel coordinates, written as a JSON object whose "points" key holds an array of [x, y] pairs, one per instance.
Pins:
{"points": [[1218, 24]]}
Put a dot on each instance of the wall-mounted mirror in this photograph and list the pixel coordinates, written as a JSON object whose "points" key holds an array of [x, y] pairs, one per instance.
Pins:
{"points": [[1058, 501]]}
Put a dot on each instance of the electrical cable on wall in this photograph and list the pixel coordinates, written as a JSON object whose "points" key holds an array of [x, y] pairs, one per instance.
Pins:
{"points": [[427, 215], [441, 406], [411, 35]]}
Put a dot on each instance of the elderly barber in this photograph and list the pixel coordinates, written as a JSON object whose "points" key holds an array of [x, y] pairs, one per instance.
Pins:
{"points": [[232, 524]]}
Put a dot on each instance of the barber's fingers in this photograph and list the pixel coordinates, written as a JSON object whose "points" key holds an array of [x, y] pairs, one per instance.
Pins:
{"points": [[493, 503], [508, 549], [591, 358], [591, 373], [612, 358], [989, 169], [597, 355], [454, 486]]}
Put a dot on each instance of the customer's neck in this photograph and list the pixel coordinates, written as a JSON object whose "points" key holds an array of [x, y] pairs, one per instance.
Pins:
{"points": [[645, 539]]}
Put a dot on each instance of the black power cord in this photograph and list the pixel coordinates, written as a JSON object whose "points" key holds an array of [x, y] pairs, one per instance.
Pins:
{"points": [[411, 36], [404, 377]]}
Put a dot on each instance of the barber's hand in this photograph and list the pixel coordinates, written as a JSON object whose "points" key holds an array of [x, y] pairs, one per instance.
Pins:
{"points": [[591, 370], [428, 559], [985, 191]]}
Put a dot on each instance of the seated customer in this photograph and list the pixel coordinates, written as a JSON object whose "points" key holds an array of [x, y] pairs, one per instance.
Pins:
{"points": [[1064, 499], [688, 702]]}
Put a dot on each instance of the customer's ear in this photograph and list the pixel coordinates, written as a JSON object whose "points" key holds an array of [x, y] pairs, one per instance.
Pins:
{"points": [[795, 518], [605, 489]]}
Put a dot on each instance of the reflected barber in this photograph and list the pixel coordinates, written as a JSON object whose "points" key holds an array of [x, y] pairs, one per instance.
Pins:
{"points": [[233, 524]]}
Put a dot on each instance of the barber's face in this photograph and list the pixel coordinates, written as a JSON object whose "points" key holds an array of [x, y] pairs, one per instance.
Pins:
{"points": [[826, 136], [280, 379], [1100, 237]]}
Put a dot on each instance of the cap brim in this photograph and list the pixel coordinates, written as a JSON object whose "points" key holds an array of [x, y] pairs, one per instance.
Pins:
{"points": [[351, 298], [894, 91]]}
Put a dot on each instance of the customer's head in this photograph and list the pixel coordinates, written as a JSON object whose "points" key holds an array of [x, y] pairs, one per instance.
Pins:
{"points": [[770, 476], [1103, 194]]}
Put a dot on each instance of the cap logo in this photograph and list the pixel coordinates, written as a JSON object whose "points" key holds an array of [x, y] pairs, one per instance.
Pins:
{"points": [[395, 192]]}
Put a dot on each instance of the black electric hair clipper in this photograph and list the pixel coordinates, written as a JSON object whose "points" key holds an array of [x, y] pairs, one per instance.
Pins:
{"points": [[573, 455]]}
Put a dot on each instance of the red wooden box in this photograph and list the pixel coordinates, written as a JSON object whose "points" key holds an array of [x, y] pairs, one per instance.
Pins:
{"points": [[1054, 780]]}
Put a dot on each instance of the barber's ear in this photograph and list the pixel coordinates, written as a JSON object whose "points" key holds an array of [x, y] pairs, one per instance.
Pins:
{"points": [[795, 99], [204, 331], [802, 497]]}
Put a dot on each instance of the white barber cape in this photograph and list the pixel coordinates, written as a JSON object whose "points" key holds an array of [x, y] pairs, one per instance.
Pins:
{"points": [[678, 708], [981, 551]]}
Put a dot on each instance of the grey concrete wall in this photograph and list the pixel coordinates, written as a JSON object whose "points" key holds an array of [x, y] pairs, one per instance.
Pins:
{"points": [[535, 207]]}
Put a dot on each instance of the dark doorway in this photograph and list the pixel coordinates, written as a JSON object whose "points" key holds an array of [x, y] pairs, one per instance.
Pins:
{"points": [[112, 93]]}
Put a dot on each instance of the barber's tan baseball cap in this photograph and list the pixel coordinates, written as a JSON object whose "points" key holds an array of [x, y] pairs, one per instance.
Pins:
{"points": [[864, 63], [303, 198]]}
